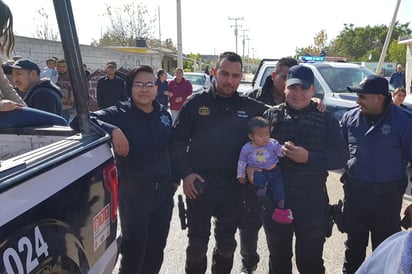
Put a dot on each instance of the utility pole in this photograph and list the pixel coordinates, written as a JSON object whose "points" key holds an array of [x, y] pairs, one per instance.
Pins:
{"points": [[179, 35], [160, 32], [244, 36], [236, 26], [248, 50], [388, 38]]}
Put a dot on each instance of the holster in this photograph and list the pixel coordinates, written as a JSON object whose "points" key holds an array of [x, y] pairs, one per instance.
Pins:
{"points": [[182, 212], [336, 211]]}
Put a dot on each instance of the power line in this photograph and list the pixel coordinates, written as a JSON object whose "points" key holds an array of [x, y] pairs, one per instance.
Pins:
{"points": [[236, 26], [245, 37]]}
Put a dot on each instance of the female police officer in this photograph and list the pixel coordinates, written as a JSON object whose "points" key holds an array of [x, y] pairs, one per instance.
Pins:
{"points": [[140, 130]]}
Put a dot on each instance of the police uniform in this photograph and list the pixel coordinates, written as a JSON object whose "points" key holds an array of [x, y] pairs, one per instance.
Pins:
{"points": [[207, 140], [306, 193], [145, 188], [250, 208], [375, 177]]}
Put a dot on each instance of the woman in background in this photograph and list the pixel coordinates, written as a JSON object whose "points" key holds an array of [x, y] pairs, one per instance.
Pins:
{"points": [[398, 96], [9, 99], [161, 84]]}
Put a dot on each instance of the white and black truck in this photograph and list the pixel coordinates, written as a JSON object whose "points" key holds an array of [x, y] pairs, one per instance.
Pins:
{"points": [[58, 187]]}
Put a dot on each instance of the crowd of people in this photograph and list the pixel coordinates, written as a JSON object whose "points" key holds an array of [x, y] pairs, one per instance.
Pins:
{"points": [[293, 135], [242, 161]]}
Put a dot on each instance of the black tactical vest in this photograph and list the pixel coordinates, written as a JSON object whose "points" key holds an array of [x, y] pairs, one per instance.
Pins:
{"points": [[306, 127]]}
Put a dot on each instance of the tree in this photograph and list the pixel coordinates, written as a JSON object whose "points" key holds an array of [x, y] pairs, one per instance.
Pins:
{"points": [[43, 29], [397, 53], [320, 44], [320, 40], [169, 44], [359, 43], [194, 63], [127, 24]]}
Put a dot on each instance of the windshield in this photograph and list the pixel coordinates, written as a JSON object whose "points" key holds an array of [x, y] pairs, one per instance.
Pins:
{"points": [[339, 79], [195, 79]]}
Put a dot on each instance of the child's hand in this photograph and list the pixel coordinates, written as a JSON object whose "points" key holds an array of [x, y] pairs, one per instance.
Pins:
{"points": [[242, 180]]}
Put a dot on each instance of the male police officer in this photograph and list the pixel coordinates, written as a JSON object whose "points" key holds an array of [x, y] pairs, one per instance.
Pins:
{"points": [[379, 136], [313, 144], [206, 142]]}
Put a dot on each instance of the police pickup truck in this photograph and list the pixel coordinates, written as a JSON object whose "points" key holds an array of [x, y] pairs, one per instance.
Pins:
{"points": [[331, 80], [58, 188]]}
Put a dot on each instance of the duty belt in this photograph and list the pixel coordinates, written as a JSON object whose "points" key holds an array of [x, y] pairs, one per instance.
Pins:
{"points": [[373, 187]]}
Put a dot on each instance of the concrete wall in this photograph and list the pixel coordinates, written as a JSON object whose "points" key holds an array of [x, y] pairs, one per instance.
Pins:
{"points": [[95, 58]]}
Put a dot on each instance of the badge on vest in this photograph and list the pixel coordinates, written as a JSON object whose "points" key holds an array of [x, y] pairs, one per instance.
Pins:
{"points": [[204, 111]]}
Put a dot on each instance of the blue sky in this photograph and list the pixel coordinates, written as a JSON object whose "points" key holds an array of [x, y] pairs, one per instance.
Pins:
{"points": [[274, 28]]}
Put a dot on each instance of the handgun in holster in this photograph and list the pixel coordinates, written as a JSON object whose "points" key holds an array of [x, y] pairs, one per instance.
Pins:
{"points": [[337, 212], [182, 212]]}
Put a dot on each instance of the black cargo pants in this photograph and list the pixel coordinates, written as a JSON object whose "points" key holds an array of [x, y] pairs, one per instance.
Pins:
{"points": [[249, 226], [220, 201], [145, 212], [311, 225], [375, 209]]}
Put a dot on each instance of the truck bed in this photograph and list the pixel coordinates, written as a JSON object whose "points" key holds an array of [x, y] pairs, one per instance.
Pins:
{"points": [[21, 148], [14, 142]]}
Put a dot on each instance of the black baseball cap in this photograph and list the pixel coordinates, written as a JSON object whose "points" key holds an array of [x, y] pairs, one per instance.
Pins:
{"points": [[372, 84], [111, 64], [26, 64], [300, 75]]}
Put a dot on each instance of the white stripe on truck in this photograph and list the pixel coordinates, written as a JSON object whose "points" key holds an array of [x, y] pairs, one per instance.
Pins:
{"points": [[27, 195]]}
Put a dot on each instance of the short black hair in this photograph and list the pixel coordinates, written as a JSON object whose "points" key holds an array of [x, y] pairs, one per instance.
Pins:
{"points": [[230, 56], [132, 74], [285, 62], [257, 122], [160, 73]]}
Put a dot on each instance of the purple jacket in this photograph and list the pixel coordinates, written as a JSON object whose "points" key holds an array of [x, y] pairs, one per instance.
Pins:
{"points": [[260, 157]]}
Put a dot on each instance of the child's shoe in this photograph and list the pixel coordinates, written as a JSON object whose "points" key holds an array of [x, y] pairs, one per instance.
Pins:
{"points": [[282, 216]]}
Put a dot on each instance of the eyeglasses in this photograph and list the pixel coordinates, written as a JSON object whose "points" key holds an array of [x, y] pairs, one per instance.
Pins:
{"points": [[143, 85]]}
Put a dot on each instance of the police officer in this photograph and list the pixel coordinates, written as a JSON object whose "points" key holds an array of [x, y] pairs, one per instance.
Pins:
{"points": [[379, 136], [313, 144], [140, 130], [272, 93], [206, 141]]}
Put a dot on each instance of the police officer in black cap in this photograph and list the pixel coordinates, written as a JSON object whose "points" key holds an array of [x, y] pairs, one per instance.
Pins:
{"points": [[379, 136], [313, 144]]}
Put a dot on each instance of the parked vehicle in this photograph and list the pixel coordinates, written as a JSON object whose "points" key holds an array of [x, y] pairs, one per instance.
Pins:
{"points": [[169, 77], [58, 187], [331, 80], [200, 81]]}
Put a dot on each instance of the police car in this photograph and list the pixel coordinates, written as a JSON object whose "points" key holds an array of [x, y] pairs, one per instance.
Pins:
{"points": [[332, 77]]}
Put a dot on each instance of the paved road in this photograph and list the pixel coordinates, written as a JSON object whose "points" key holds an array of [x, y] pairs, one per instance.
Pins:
{"points": [[333, 253]]}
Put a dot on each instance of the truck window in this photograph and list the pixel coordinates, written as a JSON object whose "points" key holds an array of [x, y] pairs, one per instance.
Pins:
{"points": [[320, 92], [339, 79], [268, 71]]}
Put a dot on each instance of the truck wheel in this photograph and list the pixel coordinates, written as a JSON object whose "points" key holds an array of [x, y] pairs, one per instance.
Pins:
{"points": [[58, 265]]}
